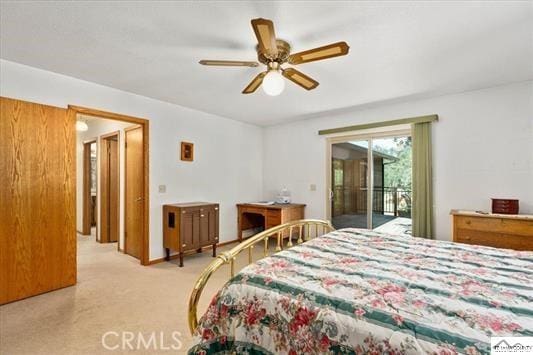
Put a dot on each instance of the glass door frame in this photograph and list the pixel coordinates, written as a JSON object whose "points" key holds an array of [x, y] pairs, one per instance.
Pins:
{"points": [[366, 135]]}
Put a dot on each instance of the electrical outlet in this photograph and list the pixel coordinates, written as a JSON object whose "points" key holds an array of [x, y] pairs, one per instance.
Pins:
{"points": [[312, 187], [162, 189]]}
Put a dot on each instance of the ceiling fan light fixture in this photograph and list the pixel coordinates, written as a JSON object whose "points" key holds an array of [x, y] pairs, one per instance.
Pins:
{"points": [[273, 83], [274, 52]]}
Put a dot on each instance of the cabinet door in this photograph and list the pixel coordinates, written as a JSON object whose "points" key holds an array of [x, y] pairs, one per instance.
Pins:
{"points": [[209, 226], [190, 230]]}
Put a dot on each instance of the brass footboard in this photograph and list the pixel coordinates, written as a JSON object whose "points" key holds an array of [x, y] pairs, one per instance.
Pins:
{"points": [[304, 228]]}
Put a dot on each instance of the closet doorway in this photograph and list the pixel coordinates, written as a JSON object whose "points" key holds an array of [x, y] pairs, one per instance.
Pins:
{"points": [[369, 181], [109, 188]]}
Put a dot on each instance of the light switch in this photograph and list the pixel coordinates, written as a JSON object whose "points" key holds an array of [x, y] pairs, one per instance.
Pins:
{"points": [[162, 189], [312, 187]]}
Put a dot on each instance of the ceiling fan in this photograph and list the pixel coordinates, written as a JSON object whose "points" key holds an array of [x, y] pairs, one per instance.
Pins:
{"points": [[274, 52]]}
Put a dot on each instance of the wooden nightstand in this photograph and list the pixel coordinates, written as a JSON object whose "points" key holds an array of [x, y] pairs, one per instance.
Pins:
{"points": [[190, 227], [494, 230]]}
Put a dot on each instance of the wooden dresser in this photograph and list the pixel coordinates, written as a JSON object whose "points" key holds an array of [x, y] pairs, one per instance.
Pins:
{"points": [[495, 230], [252, 215], [189, 227]]}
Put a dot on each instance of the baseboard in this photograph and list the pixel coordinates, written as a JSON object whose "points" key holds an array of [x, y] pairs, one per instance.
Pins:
{"points": [[175, 256]]}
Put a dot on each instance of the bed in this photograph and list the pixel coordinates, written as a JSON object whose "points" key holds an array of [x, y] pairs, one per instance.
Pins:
{"points": [[355, 291]]}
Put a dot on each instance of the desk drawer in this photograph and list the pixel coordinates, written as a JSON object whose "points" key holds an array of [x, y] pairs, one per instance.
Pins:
{"points": [[273, 218], [255, 210], [497, 225]]}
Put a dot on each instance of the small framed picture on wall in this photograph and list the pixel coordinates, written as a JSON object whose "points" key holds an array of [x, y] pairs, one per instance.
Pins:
{"points": [[187, 151]]}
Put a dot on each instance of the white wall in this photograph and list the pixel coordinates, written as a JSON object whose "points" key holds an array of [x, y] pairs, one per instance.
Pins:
{"points": [[482, 148], [97, 128], [228, 154]]}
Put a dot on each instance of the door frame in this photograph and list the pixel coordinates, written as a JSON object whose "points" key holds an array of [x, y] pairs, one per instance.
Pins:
{"points": [[75, 110], [369, 134], [86, 196], [104, 170]]}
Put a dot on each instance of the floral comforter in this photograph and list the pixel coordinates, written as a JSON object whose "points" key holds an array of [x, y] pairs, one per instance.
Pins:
{"points": [[355, 291]]}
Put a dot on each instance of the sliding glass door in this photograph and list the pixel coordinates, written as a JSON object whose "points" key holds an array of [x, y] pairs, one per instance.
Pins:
{"points": [[349, 188], [372, 174]]}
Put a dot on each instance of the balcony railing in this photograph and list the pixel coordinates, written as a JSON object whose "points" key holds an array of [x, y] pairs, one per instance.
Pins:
{"points": [[393, 201]]}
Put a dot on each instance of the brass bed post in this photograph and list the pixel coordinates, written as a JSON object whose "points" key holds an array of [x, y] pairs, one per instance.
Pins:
{"points": [[229, 257], [289, 244], [278, 246]]}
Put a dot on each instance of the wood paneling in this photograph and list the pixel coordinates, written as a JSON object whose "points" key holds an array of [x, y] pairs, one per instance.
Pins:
{"points": [[134, 192], [37, 212]]}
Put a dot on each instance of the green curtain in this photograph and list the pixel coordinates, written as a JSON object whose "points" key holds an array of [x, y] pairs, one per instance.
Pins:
{"points": [[422, 209]]}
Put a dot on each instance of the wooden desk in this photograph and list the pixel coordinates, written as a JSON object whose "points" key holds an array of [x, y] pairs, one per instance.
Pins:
{"points": [[267, 216], [494, 230]]}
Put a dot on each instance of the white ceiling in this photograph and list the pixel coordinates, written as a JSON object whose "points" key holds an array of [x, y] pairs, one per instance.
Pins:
{"points": [[399, 50]]}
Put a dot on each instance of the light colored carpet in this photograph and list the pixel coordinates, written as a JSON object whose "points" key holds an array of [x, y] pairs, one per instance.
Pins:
{"points": [[114, 293]]}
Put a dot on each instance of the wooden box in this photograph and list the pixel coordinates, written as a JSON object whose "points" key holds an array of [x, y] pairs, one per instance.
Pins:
{"points": [[504, 206]]}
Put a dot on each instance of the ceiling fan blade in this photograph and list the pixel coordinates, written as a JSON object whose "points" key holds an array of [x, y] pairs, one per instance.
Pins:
{"points": [[228, 63], [266, 37], [254, 84], [325, 52], [300, 78]]}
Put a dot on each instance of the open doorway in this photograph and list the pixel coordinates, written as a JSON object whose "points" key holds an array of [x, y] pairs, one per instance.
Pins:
{"points": [[120, 208], [370, 182]]}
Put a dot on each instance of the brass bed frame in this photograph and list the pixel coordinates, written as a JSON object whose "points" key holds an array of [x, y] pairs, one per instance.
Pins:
{"points": [[304, 228]]}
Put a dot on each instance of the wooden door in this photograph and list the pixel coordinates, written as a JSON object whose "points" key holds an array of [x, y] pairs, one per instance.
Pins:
{"points": [[86, 204], [190, 229], [109, 188], [348, 184], [337, 186], [38, 194], [208, 226], [134, 192]]}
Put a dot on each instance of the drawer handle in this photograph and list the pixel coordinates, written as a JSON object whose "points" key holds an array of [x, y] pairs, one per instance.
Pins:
{"points": [[201, 215], [468, 238], [183, 245], [468, 222], [216, 208]]}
